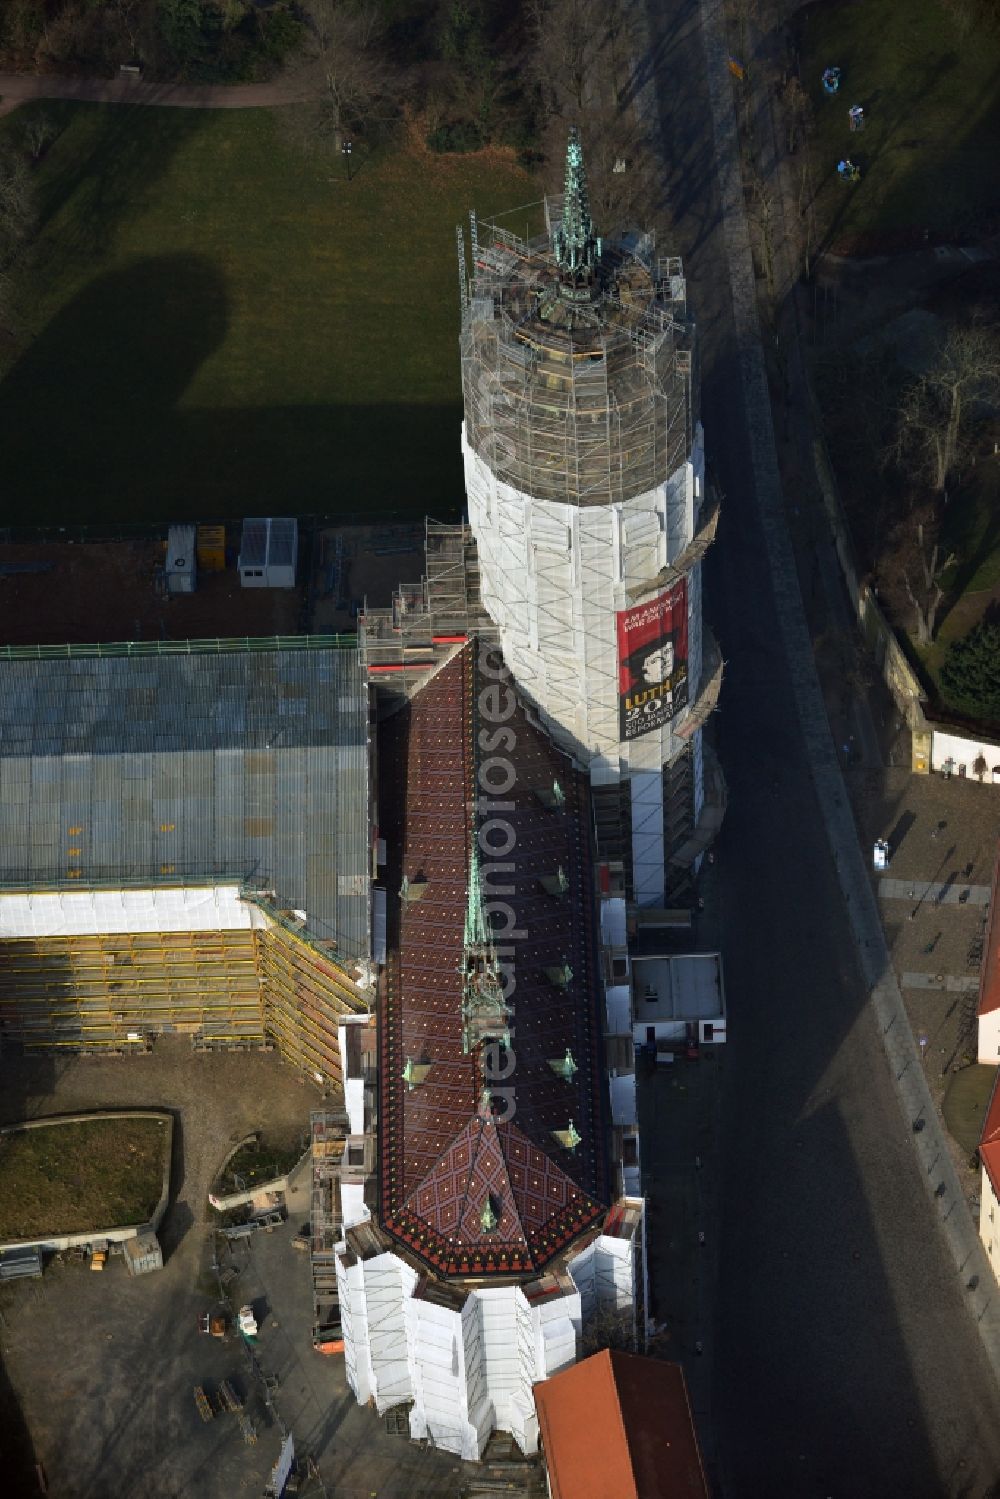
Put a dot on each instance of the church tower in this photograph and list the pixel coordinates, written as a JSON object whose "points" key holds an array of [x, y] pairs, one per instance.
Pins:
{"points": [[585, 474]]}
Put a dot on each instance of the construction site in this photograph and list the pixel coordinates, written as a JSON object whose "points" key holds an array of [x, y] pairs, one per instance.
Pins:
{"points": [[278, 854]]}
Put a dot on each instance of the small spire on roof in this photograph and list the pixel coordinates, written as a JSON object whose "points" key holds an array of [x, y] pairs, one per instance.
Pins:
{"points": [[568, 1138], [565, 1066]]}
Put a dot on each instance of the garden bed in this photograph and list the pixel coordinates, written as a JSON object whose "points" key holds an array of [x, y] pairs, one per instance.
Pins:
{"points": [[80, 1176]]}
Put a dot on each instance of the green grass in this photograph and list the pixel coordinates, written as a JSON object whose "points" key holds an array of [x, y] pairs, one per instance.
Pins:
{"points": [[219, 324], [73, 1178], [964, 1104], [932, 100], [972, 531], [257, 1163]]}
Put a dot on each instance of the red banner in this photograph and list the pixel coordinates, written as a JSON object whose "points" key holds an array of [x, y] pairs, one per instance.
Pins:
{"points": [[652, 662]]}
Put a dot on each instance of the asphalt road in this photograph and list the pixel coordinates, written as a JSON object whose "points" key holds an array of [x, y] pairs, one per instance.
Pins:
{"points": [[845, 1363]]}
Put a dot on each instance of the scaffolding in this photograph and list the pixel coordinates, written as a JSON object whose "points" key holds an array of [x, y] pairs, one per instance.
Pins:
{"points": [[112, 993], [579, 399], [427, 620], [228, 989], [306, 997], [329, 1130]]}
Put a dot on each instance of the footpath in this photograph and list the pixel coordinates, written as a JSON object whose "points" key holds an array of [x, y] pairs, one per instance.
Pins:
{"points": [[21, 88]]}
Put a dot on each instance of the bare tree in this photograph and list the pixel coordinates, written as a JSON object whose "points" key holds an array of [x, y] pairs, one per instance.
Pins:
{"points": [[582, 57], [39, 131], [343, 61], [126, 12], [798, 115], [609, 1327], [762, 219], [568, 38], [921, 569], [17, 205], [17, 220], [936, 413]]}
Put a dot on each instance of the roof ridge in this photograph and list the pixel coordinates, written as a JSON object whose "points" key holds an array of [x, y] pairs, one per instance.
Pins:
{"points": [[609, 1364]]}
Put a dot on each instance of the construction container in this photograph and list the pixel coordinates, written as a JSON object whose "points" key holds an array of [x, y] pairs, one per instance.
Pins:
{"points": [[98, 1259], [181, 567], [269, 551], [212, 549], [143, 1253], [15, 1263]]}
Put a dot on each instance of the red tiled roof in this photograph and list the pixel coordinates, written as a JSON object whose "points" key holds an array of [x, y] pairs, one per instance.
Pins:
{"points": [[989, 1140], [436, 1151], [538, 1209], [619, 1426], [989, 979]]}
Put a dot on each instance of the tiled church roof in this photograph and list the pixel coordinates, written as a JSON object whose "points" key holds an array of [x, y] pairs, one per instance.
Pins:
{"points": [[468, 1191]]}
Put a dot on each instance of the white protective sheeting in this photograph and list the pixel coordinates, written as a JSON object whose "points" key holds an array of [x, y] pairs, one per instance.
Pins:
{"points": [[554, 576], [352, 1204], [619, 1005], [78, 913], [388, 1284], [468, 1372], [435, 1339], [623, 1101], [613, 932], [604, 1274], [354, 1325]]}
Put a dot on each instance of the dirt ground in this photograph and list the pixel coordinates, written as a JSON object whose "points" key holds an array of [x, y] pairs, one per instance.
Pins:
{"points": [[105, 591], [104, 1366], [371, 564], [100, 591]]}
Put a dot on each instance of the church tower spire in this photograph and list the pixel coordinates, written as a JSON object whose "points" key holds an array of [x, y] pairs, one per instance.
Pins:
{"points": [[576, 246]]}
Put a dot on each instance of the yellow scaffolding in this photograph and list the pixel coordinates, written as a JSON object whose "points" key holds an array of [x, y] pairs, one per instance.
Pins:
{"points": [[306, 998], [226, 989], [113, 992]]}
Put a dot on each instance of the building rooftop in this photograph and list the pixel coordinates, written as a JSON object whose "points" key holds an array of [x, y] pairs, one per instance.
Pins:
{"points": [[158, 767], [619, 1426], [687, 987], [476, 1185]]}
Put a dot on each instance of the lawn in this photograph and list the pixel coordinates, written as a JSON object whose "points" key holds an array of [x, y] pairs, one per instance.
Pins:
{"points": [[72, 1178], [218, 324], [972, 531], [932, 101], [965, 1103]]}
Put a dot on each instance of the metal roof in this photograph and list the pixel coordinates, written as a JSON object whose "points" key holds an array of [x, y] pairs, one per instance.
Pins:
{"points": [[246, 763]]}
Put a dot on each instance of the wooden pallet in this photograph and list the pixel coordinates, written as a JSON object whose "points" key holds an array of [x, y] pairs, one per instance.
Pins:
{"points": [[201, 1400]]}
